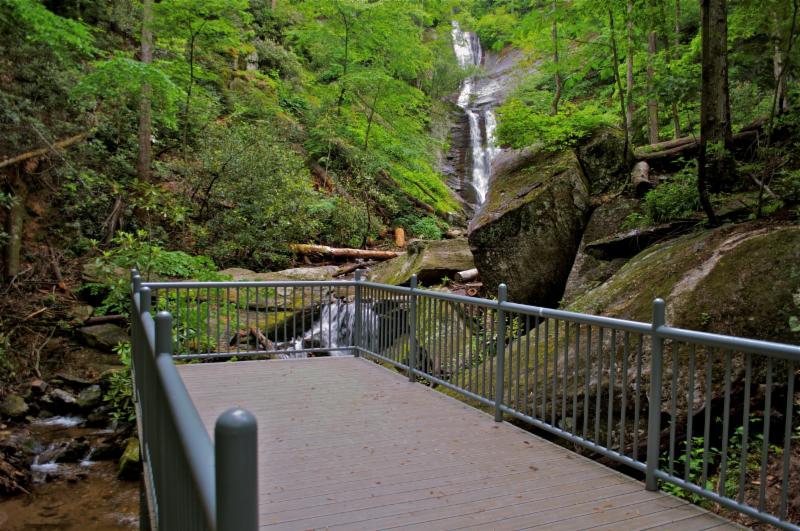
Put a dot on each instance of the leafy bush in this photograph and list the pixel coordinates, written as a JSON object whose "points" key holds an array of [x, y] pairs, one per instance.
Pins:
{"points": [[676, 199], [119, 395], [339, 222], [495, 29], [427, 228], [525, 120], [133, 250]]}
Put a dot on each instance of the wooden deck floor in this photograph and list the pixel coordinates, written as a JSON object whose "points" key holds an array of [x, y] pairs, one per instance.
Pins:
{"points": [[347, 444]]}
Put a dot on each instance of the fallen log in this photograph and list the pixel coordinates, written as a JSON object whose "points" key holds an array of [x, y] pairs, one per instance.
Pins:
{"points": [[349, 268], [466, 276], [693, 143], [473, 288], [60, 144], [324, 250]]}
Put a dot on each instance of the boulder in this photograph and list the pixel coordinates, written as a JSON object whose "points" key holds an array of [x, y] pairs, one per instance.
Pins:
{"points": [[14, 406], [90, 397], [79, 313], [103, 336], [297, 273], [602, 159], [736, 280], [130, 461], [589, 271], [430, 260], [527, 232]]}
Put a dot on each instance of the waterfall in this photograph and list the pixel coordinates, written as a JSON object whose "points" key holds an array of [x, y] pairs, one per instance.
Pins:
{"points": [[334, 329], [482, 121]]}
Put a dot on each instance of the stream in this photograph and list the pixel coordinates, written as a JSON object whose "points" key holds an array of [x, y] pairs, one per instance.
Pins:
{"points": [[74, 486]]}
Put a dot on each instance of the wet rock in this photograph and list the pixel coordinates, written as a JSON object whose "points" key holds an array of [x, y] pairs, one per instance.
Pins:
{"points": [[527, 232], [130, 462], [99, 416], [79, 313], [103, 336], [65, 451], [37, 388], [90, 397], [14, 406], [60, 401], [431, 261], [454, 233]]}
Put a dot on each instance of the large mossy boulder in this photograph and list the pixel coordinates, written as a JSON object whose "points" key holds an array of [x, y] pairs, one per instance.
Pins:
{"points": [[736, 280], [431, 261], [527, 232]]}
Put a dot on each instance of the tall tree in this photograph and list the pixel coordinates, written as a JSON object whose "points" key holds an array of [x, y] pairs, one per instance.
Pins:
{"points": [[623, 110], [628, 65], [559, 80], [676, 119], [145, 111], [652, 103], [715, 164]]}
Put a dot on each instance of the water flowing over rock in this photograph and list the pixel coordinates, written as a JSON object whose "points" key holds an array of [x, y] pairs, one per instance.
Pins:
{"points": [[479, 112]]}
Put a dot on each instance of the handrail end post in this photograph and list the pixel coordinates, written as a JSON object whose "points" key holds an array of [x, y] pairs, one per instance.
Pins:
{"points": [[236, 470], [654, 411], [163, 333], [500, 351]]}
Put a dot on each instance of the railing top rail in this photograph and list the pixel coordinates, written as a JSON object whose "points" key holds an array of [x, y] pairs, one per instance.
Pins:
{"points": [[755, 346], [248, 284]]}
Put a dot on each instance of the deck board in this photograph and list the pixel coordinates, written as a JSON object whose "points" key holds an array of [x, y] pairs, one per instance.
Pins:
{"points": [[347, 444]]}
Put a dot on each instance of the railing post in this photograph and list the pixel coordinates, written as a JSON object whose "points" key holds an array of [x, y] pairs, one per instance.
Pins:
{"points": [[163, 333], [236, 465], [500, 352], [357, 324], [412, 329], [654, 412]]}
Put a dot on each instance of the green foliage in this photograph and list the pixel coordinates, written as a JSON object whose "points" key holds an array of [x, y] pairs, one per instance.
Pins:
{"points": [[339, 222], [119, 395], [525, 120], [427, 228], [130, 251], [496, 28], [676, 199], [62, 36]]}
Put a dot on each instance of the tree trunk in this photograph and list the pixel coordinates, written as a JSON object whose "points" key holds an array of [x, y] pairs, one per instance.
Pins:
{"points": [[615, 58], [676, 119], [324, 250], [273, 4], [714, 160], [54, 147], [652, 104], [145, 111], [628, 67], [780, 75], [559, 80], [345, 62]]}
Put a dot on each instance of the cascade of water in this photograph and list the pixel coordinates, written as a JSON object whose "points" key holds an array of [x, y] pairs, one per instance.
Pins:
{"points": [[482, 121], [334, 329]]}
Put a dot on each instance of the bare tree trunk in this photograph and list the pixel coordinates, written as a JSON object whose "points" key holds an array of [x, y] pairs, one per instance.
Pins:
{"points": [[676, 119], [629, 68], [714, 168], [780, 75], [559, 80], [145, 111], [617, 78], [345, 62], [652, 103]]}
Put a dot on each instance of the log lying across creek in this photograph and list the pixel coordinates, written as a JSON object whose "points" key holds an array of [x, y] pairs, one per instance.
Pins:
{"points": [[324, 250]]}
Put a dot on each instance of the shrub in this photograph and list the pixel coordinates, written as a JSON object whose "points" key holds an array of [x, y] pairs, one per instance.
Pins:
{"points": [[676, 199], [427, 228], [119, 395]]}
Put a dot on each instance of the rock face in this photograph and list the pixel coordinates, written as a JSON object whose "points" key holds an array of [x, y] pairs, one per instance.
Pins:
{"points": [[429, 260], [14, 406], [130, 462], [527, 232], [589, 271]]}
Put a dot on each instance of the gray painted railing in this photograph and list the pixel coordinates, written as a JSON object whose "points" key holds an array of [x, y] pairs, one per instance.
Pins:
{"points": [[587, 379], [191, 482]]}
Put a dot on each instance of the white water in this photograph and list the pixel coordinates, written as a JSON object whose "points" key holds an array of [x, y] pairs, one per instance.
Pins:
{"points": [[334, 329], [61, 422], [482, 121]]}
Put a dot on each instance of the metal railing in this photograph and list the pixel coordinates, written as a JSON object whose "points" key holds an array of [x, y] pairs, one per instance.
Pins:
{"points": [[191, 482], [705, 416]]}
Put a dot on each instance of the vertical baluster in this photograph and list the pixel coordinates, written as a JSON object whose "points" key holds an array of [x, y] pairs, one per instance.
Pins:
{"points": [[673, 410], [723, 475], [535, 390], [527, 363], [612, 379], [624, 399], [762, 488], [637, 397], [586, 377], [575, 378], [690, 413], [743, 458], [556, 353], [787, 438], [500, 352], [654, 409], [599, 390], [707, 424], [237, 309], [565, 376]]}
